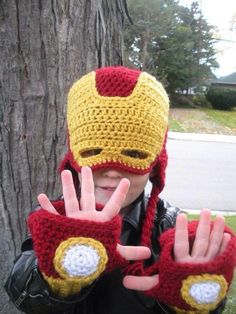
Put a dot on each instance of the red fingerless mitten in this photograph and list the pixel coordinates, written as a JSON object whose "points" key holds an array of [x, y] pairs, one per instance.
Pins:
{"points": [[72, 253], [186, 287]]}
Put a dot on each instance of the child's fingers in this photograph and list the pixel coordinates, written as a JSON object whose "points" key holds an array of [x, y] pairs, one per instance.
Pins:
{"points": [[181, 246], [202, 238], [70, 198], [114, 204], [46, 204], [87, 200], [140, 283], [216, 238], [225, 242], [134, 252]]}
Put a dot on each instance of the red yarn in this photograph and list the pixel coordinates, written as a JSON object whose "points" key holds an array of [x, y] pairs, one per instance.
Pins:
{"points": [[120, 82], [159, 167], [135, 269], [171, 273], [149, 218], [158, 181], [68, 162], [49, 230]]}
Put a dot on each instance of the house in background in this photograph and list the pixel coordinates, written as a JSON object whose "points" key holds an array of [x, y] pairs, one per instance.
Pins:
{"points": [[228, 81]]}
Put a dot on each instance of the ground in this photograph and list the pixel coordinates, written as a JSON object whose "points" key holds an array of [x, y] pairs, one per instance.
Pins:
{"points": [[201, 121]]}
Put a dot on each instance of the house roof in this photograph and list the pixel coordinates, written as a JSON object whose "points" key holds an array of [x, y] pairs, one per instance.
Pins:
{"points": [[229, 79]]}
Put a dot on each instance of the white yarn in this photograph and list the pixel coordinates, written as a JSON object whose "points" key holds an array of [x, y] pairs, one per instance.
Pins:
{"points": [[80, 260], [205, 292]]}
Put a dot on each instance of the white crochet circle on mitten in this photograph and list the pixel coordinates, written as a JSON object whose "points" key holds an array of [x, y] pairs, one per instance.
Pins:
{"points": [[80, 260], [205, 292]]}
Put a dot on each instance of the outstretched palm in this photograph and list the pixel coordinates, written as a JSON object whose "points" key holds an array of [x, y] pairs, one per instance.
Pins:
{"points": [[208, 244], [86, 208]]}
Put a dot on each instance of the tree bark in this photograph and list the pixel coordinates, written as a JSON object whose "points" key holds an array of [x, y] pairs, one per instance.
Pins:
{"points": [[44, 47]]}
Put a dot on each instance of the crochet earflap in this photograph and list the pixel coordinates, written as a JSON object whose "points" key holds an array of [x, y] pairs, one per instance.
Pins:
{"points": [[117, 117]]}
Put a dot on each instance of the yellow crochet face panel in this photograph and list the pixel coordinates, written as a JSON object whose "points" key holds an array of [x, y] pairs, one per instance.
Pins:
{"points": [[126, 130]]}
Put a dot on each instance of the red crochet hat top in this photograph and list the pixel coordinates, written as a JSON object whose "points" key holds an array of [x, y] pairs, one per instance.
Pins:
{"points": [[116, 83]]}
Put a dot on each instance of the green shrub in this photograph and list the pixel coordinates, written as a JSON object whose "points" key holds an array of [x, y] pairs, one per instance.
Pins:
{"points": [[200, 100], [181, 101], [221, 98]]}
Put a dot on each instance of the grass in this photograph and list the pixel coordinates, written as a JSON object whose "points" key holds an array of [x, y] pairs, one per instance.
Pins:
{"points": [[202, 120], [229, 220], [231, 298], [224, 118], [175, 126]]}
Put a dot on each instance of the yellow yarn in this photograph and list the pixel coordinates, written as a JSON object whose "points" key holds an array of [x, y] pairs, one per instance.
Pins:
{"points": [[179, 311], [113, 125], [63, 287], [67, 284], [187, 283]]}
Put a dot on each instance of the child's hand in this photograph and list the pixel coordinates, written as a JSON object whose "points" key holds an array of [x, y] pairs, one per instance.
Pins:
{"points": [[208, 244], [86, 209]]}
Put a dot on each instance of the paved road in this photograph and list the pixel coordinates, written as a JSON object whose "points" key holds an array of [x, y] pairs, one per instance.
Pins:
{"points": [[202, 172]]}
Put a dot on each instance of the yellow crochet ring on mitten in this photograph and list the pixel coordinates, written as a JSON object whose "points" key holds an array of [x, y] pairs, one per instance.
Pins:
{"points": [[80, 257], [204, 292], [79, 261]]}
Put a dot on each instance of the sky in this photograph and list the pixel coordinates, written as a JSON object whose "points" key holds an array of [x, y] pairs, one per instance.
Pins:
{"points": [[219, 13]]}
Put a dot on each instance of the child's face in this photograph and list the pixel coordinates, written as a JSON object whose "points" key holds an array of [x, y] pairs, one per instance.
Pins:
{"points": [[106, 180]]}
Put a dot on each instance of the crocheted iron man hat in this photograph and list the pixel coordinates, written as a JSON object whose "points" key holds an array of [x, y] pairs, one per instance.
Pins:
{"points": [[117, 117]]}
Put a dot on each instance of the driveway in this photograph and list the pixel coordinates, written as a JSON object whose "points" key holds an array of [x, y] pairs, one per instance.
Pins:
{"points": [[201, 172]]}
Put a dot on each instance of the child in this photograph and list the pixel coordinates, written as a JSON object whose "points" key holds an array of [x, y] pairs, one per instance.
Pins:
{"points": [[104, 247]]}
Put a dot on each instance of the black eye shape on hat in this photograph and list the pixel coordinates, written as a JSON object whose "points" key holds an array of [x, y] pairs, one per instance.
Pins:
{"points": [[133, 153], [90, 152]]}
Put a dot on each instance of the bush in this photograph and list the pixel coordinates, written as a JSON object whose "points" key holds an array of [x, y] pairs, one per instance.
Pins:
{"points": [[200, 100], [181, 101], [221, 98]]}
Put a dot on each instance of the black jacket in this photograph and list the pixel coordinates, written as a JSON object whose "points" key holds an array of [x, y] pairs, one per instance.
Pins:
{"points": [[31, 294]]}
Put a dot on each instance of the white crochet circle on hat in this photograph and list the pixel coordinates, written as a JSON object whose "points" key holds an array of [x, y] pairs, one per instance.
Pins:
{"points": [[80, 260], [205, 292]]}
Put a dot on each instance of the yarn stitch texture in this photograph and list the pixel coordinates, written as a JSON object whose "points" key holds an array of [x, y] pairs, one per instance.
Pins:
{"points": [[178, 311], [80, 257], [49, 231], [111, 126], [173, 274], [205, 291]]}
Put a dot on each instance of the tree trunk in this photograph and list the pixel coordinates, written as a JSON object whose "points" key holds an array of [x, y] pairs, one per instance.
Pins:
{"points": [[44, 47]]}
